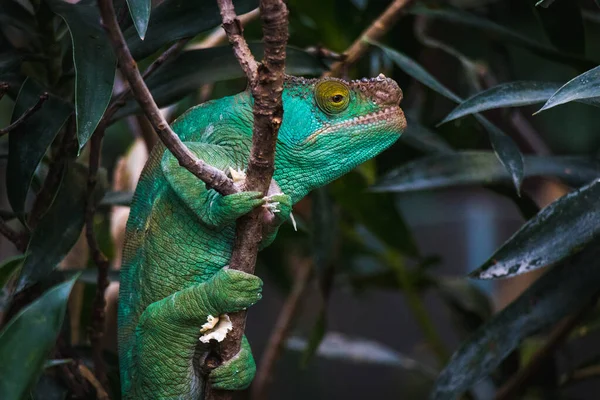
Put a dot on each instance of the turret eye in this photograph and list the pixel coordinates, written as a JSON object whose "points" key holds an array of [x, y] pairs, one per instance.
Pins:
{"points": [[332, 97]]}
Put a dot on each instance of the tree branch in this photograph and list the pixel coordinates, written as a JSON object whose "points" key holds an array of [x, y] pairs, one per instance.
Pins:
{"points": [[235, 33], [281, 330], [15, 237], [25, 115], [517, 383], [211, 176], [266, 86], [374, 32]]}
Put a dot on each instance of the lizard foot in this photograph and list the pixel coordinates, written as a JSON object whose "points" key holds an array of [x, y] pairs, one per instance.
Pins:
{"points": [[237, 373]]}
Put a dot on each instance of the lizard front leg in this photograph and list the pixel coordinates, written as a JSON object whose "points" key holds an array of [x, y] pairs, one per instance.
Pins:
{"points": [[168, 332]]}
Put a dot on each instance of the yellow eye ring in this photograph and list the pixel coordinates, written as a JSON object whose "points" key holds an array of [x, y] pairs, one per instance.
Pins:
{"points": [[332, 97]]}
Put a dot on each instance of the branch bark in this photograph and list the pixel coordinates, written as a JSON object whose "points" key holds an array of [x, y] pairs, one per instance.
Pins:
{"points": [[266, 85], [374, 32], [31, 110], [211, 176]]}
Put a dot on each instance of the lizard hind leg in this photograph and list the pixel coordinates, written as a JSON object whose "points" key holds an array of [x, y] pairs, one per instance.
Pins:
{"points": [[237, 373]]}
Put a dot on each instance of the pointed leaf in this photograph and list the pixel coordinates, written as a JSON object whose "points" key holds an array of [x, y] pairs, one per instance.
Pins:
{"points": [[511, 94], [177, 19], [583, 87], [481, 168], [27, 339], [559, 230], [94, 63], [59, 228], [554, 295], [506, 149], [555, 19], [29, 141], [8, 269], [500, 33], [140, 14], [359, 350], [421, 138], [183, 75]]}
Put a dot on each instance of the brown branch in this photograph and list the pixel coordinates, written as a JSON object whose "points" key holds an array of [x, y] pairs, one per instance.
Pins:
{"points": [[211, 176], [31, 110], [99, 303], [3, 89], [374, 32], [518, 382], [13, 236], [280, 331], [235, 33], [87, 374], [266, 88]]}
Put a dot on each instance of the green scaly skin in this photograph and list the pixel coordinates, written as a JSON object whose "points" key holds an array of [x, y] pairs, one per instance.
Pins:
{"points": [[179, 235]]}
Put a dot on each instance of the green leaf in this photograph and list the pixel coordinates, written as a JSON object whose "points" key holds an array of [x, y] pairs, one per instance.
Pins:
{"points": [[421, 138], [28, 338], [29, 141], [59, 228], [583, 87], [116, 199], [481, 168], [562, 228], [376, 212], [544, 3], [317, 335], [506, 149], [555, 21], [183, 75], [9, 267], [511, 94], [554, 295], [500, 33], [177, 19], [140, 14], [94, 63]]}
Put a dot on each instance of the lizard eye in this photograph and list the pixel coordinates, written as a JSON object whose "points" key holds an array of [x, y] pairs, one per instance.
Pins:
{"points": [[332, 97]]}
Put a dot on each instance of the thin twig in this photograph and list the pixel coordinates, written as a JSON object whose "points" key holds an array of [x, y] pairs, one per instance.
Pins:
{"points": [[218, 36], [281, 330], [235, 33], [13, 236], [3, 89], [31, 110], [518, 382], [266, 87], [374, 32], [99, 303], [211, 176], [87, 374]]}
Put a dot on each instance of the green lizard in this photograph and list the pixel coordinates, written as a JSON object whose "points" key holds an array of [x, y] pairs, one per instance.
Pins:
{"points": [[179, 234]]}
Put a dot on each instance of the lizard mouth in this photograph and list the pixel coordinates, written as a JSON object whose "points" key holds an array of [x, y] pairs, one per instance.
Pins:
{"points": [[389, 118]]}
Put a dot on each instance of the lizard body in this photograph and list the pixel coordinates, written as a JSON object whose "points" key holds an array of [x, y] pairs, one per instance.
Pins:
{"points": [[180, 235]]}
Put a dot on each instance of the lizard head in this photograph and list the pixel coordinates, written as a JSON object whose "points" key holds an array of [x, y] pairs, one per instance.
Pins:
{"points": [[330, 125]]}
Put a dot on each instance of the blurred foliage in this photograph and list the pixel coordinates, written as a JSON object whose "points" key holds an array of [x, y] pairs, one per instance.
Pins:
{"points": [[501, 94]]}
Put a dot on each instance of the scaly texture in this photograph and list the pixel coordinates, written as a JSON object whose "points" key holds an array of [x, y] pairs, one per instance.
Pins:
{"points": [[180, 236]]}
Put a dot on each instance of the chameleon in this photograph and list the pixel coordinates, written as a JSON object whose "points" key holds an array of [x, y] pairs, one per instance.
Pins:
{"points": [[180, 234]]}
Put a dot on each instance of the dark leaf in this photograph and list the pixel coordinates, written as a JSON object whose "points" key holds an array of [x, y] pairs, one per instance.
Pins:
{"points": [[116, 199], [361, 351], [557, 293], [555, 21], [544, 3], [140, 14], [177, 19], [503, 145], [94, 63], [179, 77], [500, 33], [28, 338], [377, 213], [421, 138], [30, 140], [59, 228], [481, 168], [316, 337], [583, 87], [469, 305], [8, 269], [559, 230], [511, 94], [324, 237]]}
